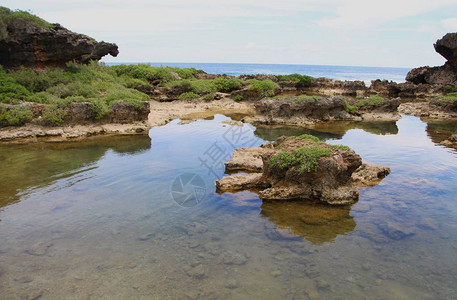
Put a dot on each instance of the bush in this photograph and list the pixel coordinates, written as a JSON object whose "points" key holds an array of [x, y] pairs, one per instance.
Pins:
{"points": [[238, 98], [306, 158], [148, 73], [15, 116], [265, 88], [350, 108], [99, 108], [301, 80], [303, 98], [209, 97], [309, 137], [10, 90], [224, 84], [54, 115], [374, 100], [188, 95], [341, 147]]}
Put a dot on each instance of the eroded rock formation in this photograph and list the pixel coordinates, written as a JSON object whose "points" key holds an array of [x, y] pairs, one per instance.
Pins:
{"points": [[333, 180], [443, 75], [30, 46]]}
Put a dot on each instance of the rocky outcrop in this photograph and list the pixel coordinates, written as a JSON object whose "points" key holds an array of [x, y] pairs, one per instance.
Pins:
{"points": [[450, 142], [440, 108], [333, 180], [443, 75], [36, 47], [308, 110]]}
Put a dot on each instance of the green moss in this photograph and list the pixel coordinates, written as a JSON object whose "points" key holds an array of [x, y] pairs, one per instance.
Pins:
{"points": [[265, 88], [374, 100], [188, 95], [18, 18], [301, 80], [223, 84], [304, 98], [341, 147], [309, 137], [15, 116], [306, 158]]}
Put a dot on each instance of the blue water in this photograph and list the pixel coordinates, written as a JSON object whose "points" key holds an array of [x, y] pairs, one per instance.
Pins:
{"points": [[334, 72]]}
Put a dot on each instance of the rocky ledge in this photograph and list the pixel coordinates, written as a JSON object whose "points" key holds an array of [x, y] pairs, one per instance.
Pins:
{"points": [[301, 167], [38, 47], [306, 110], [443, 75]]}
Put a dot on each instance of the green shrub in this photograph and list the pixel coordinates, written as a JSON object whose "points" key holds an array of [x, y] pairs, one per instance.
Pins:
{"points": [[450, 89], [265, 88], [224, 84], [341, 147], [306, 158], [301, 80], [99, 108], [374, 100], [149, 73], [15, 116], [309, 137], [238, 98], [304, 98], [10, 90], [188, 95], [350, 108], [201, 86], [41, 97], [208, 97], [54, 115]]}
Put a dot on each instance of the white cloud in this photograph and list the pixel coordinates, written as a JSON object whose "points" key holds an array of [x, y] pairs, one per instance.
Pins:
{"points": [[449, 24]]}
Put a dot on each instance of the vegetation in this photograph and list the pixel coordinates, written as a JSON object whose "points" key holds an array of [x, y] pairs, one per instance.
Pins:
{"points": [[159, 75], [301, 80], [265, 88], [304, 98], [18, 18], [350, 108], [188, 95], [224, 84], [238, 98], [306, 158], [374, 100], [15, 116], [450, 89], [341, 147], [309, 137]]}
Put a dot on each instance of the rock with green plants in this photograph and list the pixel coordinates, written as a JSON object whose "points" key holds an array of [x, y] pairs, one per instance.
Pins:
{"points": [[301, 168]]}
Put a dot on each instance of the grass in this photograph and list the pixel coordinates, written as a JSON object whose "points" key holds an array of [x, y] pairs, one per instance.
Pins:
{"points": [[309, 137], [188, 95], [15, 116], [306, 158], [18, 18], [301, 80], [265, 88], [373, 100], [305, 98]]}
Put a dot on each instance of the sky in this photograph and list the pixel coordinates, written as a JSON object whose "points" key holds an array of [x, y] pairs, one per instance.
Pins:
{"points": [[390, 33]]}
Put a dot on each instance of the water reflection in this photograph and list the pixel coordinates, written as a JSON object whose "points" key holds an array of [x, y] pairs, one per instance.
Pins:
{"points": [[440, 131], [40, 164], [315, 222], [325, 131]]}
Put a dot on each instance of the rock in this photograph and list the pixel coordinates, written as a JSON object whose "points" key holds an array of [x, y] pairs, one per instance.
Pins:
{"points": [[428, 223], [450, 142], [39, 249], [369, 174], [246, 160], [24, 279], [234, 258], [322, 284], [396, 231], [231, 284], [276, 273], [330, 183], [443, 75], [197, 272], [28, 45], [146, 236]]}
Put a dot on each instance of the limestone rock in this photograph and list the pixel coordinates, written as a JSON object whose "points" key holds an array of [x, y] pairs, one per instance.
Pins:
{"points": [[369, 174]]}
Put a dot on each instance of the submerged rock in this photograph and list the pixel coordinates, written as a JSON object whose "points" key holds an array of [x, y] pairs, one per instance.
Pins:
{"points": [[302, 168]]}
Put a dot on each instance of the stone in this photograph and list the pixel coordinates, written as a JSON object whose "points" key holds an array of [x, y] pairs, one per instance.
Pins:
{"points": [[197, 272], [234, 258], [276, 273], [331, 182], [26, 44], [428, 223], [231, 284], [39, 249], [396, 231], [322, 284], [146, 236]]}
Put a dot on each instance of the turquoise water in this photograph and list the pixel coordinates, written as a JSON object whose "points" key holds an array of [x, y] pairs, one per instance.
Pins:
{"points": [[96, 219], [334, 72]]}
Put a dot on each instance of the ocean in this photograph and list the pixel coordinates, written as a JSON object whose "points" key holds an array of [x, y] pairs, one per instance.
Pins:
{"points": [[365, 74]]}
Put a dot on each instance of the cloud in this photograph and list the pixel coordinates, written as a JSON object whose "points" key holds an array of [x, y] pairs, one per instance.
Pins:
{"points": [[356, 13], [449, 24]]}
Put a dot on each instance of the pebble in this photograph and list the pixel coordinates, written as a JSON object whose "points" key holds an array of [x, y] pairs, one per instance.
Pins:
{"points": [[39, 249], [231, 258], [322, 284], [146, 236], [24, 279], [196, 272], [276, 273], [231, 284]]}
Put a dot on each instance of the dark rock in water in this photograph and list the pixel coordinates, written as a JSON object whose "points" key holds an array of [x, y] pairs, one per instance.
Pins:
{"points": [[396, 231], [31, 46], [443, 75], [39, 249]]}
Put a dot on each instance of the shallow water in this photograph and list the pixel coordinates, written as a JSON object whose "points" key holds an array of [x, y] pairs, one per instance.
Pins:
{"points": [[97, 219]]}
